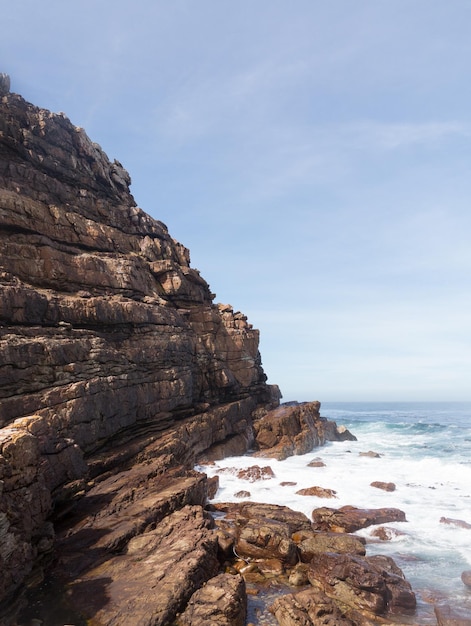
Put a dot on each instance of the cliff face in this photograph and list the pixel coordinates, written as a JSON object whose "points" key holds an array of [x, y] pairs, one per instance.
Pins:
{"points": [[106, 331]]}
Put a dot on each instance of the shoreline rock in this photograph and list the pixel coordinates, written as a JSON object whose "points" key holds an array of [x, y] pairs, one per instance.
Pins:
{"points": [[119, 374]]}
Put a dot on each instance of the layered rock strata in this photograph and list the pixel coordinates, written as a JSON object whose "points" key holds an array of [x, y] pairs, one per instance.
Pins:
{"points": [[118, 373], [109, 339]]}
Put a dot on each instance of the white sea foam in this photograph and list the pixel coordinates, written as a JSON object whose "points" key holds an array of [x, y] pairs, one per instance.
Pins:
{"points": [[425, 455]]}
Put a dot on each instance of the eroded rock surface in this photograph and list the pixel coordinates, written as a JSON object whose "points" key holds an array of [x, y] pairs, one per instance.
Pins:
{"points": [[113, 354], [295, 429], [118, 373], [350, 519]]}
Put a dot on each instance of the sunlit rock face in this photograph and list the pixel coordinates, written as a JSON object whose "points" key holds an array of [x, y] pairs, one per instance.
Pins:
{"points": [[105, 331]]}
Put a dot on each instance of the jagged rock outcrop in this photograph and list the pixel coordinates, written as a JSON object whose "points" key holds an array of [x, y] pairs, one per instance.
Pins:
{"points": [[118, 373], [109, 339], [295, 429]]}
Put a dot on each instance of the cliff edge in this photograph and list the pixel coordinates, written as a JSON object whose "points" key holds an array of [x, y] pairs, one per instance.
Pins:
{"points": [[118, 373], [108, 336]]}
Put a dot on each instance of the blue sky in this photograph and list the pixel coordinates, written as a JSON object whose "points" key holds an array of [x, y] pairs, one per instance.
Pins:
{"points": [[314, 157]]}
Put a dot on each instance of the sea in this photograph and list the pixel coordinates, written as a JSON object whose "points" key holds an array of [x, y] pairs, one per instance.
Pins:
{"points": [[425, 450]]}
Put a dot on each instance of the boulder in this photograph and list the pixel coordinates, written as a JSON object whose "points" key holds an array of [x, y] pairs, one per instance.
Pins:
{"points": [[294, 429], [295, 521], [313, 543], [350, 519], [264, 538], [310, 607], [255, 473], [221, 601], [319, 492], [384, 486], [383, 533], [448, 616], [370, 584], [466, 577], [455, 522], [316, 463], [242, 494]]}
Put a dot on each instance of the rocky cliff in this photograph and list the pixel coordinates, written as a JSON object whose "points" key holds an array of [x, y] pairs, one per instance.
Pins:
{"points": [[105, 328], [118, 373]]}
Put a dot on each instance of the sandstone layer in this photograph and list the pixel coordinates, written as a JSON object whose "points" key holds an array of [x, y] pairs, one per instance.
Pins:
{"points": [[118, 374], [108, 336]]}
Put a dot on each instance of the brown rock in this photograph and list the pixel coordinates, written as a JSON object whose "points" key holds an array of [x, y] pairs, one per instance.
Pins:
{"points": [[295, 521], [293, 429], [242, 494], [255, 473], [384, 486], [271, 568], [318, 542], [309, 608], [371, 454], [288, 483], [350, 519], [298, 575], [213, 486], [466, 577], [369, 584], [263, 538], [319, 492], [316, 463], [455, 522], [221, 601], [447, 616], [154, 578], [385, 534], [112, 349]]}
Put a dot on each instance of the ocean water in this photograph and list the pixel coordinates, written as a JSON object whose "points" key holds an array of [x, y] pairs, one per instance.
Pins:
{"points": [[425, 450]]}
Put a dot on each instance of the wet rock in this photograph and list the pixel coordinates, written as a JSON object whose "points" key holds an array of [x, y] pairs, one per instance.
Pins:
{"points": [[310, 607], [318, 542], [293, 429], [298, 576], [288, 483], [221, 601], [466, 577], [295, 521], [266, 539], [242, 494], [319, 492], [213, 486], [447, 616], [255, 473], [370, 584], [350, 519], [316, 463], [384, 486], [383, 533], [271, 568], [455, 522], [371, 454]]}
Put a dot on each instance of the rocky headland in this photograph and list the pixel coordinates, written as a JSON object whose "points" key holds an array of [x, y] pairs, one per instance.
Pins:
{"points": [[118, 375]]}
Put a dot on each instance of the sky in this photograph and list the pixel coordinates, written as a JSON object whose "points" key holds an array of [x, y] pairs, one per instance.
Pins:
{"points": [[314, 156]]}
